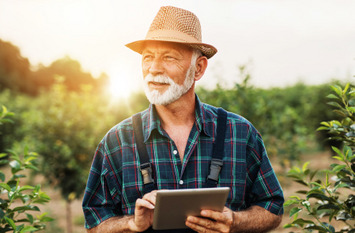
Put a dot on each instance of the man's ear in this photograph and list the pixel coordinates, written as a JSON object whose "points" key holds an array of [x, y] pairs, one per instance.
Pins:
{"points": [[201, 65]]}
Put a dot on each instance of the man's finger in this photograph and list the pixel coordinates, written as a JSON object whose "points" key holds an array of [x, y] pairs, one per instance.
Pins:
{"points": [[218, 216], [199, 228], [151, 197], [140, 203], [202, 224], [225, 216]]}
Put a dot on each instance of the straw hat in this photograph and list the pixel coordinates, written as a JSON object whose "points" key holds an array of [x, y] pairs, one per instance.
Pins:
{"points": [[173, 24]]}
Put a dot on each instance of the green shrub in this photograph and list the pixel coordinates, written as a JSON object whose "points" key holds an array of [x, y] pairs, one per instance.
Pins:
{"points": [[17, 201], [333, 198]]}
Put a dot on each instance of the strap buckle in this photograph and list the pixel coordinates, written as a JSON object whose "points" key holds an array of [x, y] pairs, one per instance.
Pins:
{"points": [[146, 170], [215, 168]]}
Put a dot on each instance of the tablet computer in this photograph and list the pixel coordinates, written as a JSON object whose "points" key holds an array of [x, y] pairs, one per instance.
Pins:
{"points": [[173, 206]]}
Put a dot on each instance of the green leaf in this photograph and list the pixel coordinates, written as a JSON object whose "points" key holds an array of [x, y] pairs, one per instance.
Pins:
{"points": [[348, 152], [337, 90], [338, 158], [338, 168], [287, 226], [335, 104], [295, 210], [28, 229], [336, 150], [301, 182], [44, 218], [316, 184], [322, 128], [321, 229], [327, 179], [301, 222], [5, 186], [25, 150], [2, 155], [301, 191], [18, 176], [30, 218], [2, 214], [351, 109], [304, 167], [10, 222], [319, 197], [15, 165], [324, 123], [2, 176], [30, 166], [25, 208], [346, 88], [19, 228], [29, 159], [341, 113], [290, 202], [332, 96], [328, 206], [26, 187]]}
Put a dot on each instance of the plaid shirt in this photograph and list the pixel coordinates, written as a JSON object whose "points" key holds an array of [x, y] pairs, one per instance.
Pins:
{"points": [[115, 181]]}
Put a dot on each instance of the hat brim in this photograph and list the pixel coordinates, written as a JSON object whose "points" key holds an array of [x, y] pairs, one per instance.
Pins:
{"points": [[206, 49]]}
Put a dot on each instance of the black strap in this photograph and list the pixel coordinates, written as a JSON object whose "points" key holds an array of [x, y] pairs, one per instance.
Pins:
{"points": [[218, 150], [145, 167]]}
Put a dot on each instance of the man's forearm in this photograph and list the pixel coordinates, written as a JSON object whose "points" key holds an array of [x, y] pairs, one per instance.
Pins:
{"points": [[114, 225], [255, 219]]}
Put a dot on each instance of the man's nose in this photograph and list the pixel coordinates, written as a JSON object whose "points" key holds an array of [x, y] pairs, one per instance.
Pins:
{"points": [[156, 67]]}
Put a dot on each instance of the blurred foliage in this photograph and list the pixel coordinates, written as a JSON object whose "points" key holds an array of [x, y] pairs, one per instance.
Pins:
{"points": [[18, 201], [286, 117], [334, 196], [65, 127], [17, 74]]}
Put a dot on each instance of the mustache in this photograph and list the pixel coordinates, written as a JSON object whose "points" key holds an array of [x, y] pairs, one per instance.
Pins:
{"points": [[158, 79]]}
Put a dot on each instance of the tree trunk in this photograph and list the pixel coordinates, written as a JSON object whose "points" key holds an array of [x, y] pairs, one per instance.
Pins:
{"points": [[69, 218]]}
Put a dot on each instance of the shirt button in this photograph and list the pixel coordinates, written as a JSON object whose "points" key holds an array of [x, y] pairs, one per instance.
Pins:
{"points": [[175, 152], [181, 182]]}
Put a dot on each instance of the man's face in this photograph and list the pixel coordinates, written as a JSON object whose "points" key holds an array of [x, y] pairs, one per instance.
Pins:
{"points": [[167, 71]]}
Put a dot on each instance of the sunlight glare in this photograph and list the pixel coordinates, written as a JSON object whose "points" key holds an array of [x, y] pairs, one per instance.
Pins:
{"points": [[120, 85]]}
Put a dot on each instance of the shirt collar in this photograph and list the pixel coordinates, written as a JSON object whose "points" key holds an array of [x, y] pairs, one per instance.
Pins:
{"points": [[151, 121]]}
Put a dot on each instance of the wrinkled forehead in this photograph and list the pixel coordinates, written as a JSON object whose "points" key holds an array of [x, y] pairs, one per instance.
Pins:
{"points": [[163, 46]]}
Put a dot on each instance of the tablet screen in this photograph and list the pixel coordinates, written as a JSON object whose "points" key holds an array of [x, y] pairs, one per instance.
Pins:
{"points": [[173, 206]]}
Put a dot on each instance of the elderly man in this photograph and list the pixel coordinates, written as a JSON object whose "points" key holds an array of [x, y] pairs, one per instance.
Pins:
{"points": [[178, 134]]}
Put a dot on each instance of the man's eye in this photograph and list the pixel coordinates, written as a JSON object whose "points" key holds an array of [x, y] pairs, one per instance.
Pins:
{"points": [[170, 58], [147, 58]]}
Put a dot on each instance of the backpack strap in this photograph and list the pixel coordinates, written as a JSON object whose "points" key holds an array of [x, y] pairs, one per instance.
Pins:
{"points": [[145, 167], [218, 150]]}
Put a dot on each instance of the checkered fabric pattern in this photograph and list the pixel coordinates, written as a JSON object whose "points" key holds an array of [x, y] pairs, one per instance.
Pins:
{"points": [[115, 181]]}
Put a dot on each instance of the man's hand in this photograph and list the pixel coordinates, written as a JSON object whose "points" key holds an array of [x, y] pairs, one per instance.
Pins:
{"points": [[143, 214], [212, 221], [252, 220]]}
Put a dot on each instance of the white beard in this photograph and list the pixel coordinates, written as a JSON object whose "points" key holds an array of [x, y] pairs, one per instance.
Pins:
{"points": [[174, 91]]}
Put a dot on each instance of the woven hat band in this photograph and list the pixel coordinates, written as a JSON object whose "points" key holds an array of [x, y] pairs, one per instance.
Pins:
{"points": [[170, 35]]}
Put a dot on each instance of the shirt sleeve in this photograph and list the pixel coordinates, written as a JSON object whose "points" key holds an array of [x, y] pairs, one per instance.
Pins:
{"points": [[98, 205], [265, 189]]}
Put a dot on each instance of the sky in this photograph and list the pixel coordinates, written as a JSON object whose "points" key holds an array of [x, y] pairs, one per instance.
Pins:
{"points": [[281, 42]]}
